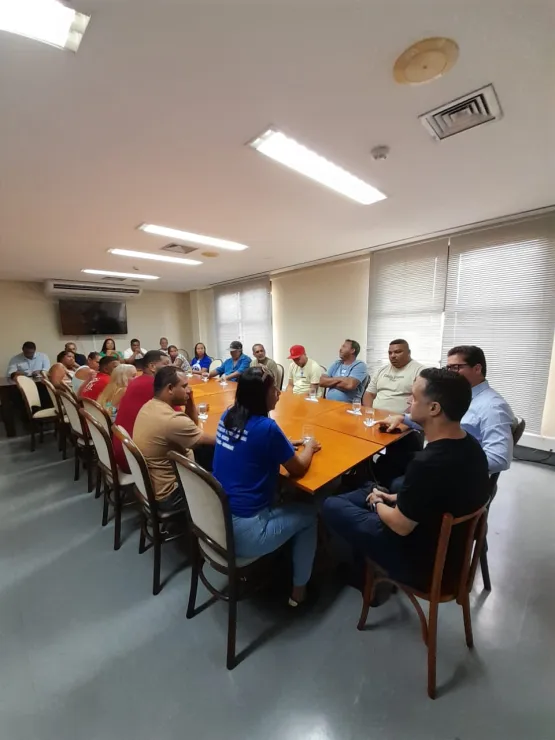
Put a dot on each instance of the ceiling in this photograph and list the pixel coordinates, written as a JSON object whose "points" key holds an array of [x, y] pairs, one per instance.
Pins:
{"points": [[148, 123]]}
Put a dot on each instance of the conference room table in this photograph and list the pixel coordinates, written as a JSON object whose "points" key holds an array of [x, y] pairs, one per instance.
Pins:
{"points": [[345, 439]]}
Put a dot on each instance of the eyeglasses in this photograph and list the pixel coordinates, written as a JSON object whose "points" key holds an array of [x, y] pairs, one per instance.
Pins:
{"points": [[456, 366]]}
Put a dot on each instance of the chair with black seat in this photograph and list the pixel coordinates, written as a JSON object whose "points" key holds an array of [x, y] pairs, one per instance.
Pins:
{"points": [[37, 415], [62, 422], [80, 437], [213, 542], [451, 584], [114, 479], [152, 518], [518, 430]]}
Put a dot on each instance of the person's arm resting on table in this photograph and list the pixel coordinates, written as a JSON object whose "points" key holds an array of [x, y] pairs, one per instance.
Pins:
{"points": [[299, 463], [217, 371]]}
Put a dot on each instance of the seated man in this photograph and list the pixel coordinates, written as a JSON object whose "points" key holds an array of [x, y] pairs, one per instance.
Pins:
{"points": [[134, 352], [178, 359], [86, 372], [304, 373], [159, 429], [260, 358], [236, 364], [94, 387], [400, 531], [137, 394], [489, 418], [80, 360], [390, 386], [29, 362], [346, 377]]}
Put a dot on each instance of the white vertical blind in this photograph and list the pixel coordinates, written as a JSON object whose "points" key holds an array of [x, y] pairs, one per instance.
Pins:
{"points": [[407, 292], [244, 312], [501, 297]]}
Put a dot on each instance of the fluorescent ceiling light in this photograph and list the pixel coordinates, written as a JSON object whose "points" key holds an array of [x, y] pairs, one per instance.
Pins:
{"points": [[187, 236], [44, 20], [122, 274], [157, 257], [289, 152]]}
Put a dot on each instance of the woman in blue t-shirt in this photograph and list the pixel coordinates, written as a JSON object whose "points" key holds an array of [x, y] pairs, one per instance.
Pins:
{"points": [[250, 447], [201, 361]]}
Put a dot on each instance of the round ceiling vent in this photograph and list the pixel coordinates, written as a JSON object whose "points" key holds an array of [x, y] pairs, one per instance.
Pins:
{"points": [[210, 254], [425, 61]]}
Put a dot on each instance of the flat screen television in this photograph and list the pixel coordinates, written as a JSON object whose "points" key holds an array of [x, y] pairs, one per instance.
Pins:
{"points": [[78, 318]]}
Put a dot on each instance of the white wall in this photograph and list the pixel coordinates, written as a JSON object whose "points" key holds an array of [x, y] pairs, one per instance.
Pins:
{"points": [[203, 319], [319, 307], [27, 314]]}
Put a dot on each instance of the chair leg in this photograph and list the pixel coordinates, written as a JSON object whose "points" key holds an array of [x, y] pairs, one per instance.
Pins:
{"points": [[77, 464], [33, 441], [90, 471], [41, 433], [432, 648], [117, 519], [106, 502], [156, 587], [194, 580], [369, 579], [484, 565], [98, 490], [142, 538], [231, 626], [467, 621]]}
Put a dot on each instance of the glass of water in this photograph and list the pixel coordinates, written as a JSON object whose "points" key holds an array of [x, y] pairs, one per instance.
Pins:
{"points": [[223, 379], [356, 407], [203, 411], [369, 420], [312, 394], [308, 433]]}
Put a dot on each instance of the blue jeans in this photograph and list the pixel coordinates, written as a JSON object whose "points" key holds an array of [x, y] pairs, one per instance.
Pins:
{"points": [[271, 528]]}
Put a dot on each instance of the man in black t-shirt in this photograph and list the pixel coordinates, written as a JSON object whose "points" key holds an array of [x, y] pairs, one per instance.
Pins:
{"points": [[400, 531]]}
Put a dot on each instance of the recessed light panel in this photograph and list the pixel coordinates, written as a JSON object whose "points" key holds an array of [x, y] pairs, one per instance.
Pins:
{"points": [[156, 257], [122, 274], [48, 21], [187, 236], [281, 148]]}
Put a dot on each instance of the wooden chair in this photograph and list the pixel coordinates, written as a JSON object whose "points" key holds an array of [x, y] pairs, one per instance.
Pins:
{"points": [[113, 478], [98, 413], [213, 543], [214, 364], [79, 435], [455, 588], [38, 416], [281, 375], [518, 430], [151, 518], [62, 422]]}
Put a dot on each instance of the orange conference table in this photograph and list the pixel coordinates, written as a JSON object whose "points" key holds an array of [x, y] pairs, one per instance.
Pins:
{"points": [[345, 440]]}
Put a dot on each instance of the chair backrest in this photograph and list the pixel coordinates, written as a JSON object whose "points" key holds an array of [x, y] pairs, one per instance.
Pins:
{"points": [[102, 442], [365, 386], [29, 391], [460, 581], [281, 374], [138, 467], [44, 374], [99, 413], [71, 408], [185, 354], [325, 369], [214, 364], [208, 508], [518, 429], [54, 398]]}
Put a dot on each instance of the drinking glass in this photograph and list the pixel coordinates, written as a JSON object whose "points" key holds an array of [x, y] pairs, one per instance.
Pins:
{"points": [[312, 394], [308, 433], [203, 411], [223, 379], [205, 378], [369, 420], [356, 407]]}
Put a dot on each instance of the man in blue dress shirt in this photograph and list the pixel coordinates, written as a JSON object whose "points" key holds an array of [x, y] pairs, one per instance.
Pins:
{"points": [[236, 364], [346, 377], [489, 418], [29, 362]]}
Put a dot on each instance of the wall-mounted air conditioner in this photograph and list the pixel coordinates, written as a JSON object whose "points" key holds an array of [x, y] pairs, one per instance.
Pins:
{"points": [[100, 291]]}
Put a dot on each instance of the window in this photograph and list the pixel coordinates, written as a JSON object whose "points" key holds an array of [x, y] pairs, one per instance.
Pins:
{"points": [[407, 292], [244, 312], [501, 296]]}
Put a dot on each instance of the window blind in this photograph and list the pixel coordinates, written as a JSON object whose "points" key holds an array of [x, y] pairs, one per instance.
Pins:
{"points": [[407, 292], [501, 297], [244, 312]]}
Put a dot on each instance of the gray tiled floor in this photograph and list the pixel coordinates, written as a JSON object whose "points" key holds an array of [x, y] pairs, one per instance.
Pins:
{"points": [[86, 652]]}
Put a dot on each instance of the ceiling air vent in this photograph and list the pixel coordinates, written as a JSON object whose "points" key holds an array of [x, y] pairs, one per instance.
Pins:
{"points": [[480, 106], [113, 279], [178, 249]]}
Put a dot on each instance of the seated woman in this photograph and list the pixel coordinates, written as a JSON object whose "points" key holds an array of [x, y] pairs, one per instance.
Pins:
{"points": [[201, 361], [109, 348], [113, 393], [59, 376], [178, 359], [250, 447]]}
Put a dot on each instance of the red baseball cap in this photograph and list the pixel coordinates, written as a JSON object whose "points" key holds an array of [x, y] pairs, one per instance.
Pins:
{"points": [[296, 351]]}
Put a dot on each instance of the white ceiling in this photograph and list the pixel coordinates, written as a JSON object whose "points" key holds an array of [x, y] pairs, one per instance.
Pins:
{"points": [[148, 123]]}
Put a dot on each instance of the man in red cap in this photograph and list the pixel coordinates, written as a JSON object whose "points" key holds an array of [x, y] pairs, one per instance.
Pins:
{"points": [[304, 373]]}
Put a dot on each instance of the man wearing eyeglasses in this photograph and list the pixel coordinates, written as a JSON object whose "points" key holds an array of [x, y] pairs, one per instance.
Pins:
{"points": [[489, 418]]}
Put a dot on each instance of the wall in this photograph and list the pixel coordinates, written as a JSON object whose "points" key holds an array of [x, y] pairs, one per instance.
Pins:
{"points": [[319, 307], [203, 319], [548, 421], [27, 314]]}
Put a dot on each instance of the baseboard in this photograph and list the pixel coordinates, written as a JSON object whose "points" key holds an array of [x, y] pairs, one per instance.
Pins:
{"points": [[537, 442]]}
